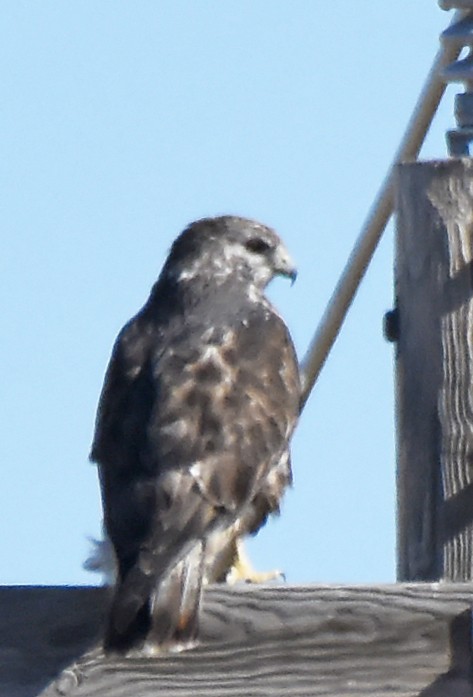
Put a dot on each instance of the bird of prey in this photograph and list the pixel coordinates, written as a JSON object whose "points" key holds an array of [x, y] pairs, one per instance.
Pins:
{"points": [[192, 434]]}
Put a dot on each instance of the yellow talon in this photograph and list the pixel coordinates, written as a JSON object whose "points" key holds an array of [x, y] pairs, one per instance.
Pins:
{"points": [[242, 569]]}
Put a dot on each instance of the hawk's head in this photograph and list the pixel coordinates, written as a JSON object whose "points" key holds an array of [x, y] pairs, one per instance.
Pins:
{"points": [[217, 249]]}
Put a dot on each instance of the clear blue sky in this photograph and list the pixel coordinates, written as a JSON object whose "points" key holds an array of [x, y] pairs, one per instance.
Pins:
{"points": [[123, 121]]}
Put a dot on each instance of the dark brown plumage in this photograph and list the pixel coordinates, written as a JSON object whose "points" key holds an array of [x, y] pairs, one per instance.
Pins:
{"points": [[192, 435]]}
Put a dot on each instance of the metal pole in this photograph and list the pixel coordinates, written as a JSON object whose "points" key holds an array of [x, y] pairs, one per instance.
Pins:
{"points": [[376, 221]]}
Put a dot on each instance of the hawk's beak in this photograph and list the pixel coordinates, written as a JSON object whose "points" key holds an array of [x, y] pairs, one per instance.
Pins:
{"points": [[283, 264]]}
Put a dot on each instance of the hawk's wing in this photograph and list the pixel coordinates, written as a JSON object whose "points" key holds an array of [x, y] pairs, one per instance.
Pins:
{"points": [[193, 423]]}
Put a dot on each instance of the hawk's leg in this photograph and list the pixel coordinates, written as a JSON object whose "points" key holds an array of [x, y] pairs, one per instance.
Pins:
{"points": [[242, 570]]}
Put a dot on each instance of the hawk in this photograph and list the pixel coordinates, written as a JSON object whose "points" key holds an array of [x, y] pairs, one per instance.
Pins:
{"points": [[192, 433]]}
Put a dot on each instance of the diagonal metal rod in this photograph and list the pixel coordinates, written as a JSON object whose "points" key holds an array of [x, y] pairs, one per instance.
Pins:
{"points": [[376, 221]]}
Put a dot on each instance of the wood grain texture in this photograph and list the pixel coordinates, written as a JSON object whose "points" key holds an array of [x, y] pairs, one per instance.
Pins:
{"points": [[434, 294], [397, 640], [42, 629]]}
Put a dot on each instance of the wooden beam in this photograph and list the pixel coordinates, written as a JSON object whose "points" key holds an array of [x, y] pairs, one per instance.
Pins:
{"points": [[337, 641], [434, 363]]}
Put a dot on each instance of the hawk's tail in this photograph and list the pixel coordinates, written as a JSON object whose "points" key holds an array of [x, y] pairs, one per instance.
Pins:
{"points": [[158, 592], [163, 613], [175, 603]]}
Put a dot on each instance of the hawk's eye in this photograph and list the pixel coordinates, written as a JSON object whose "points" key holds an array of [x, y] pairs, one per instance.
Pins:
{"points": [[257, 245]]}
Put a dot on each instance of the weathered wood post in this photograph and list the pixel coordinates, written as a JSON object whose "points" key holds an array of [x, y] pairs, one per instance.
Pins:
{"points": [[434, 366]]}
